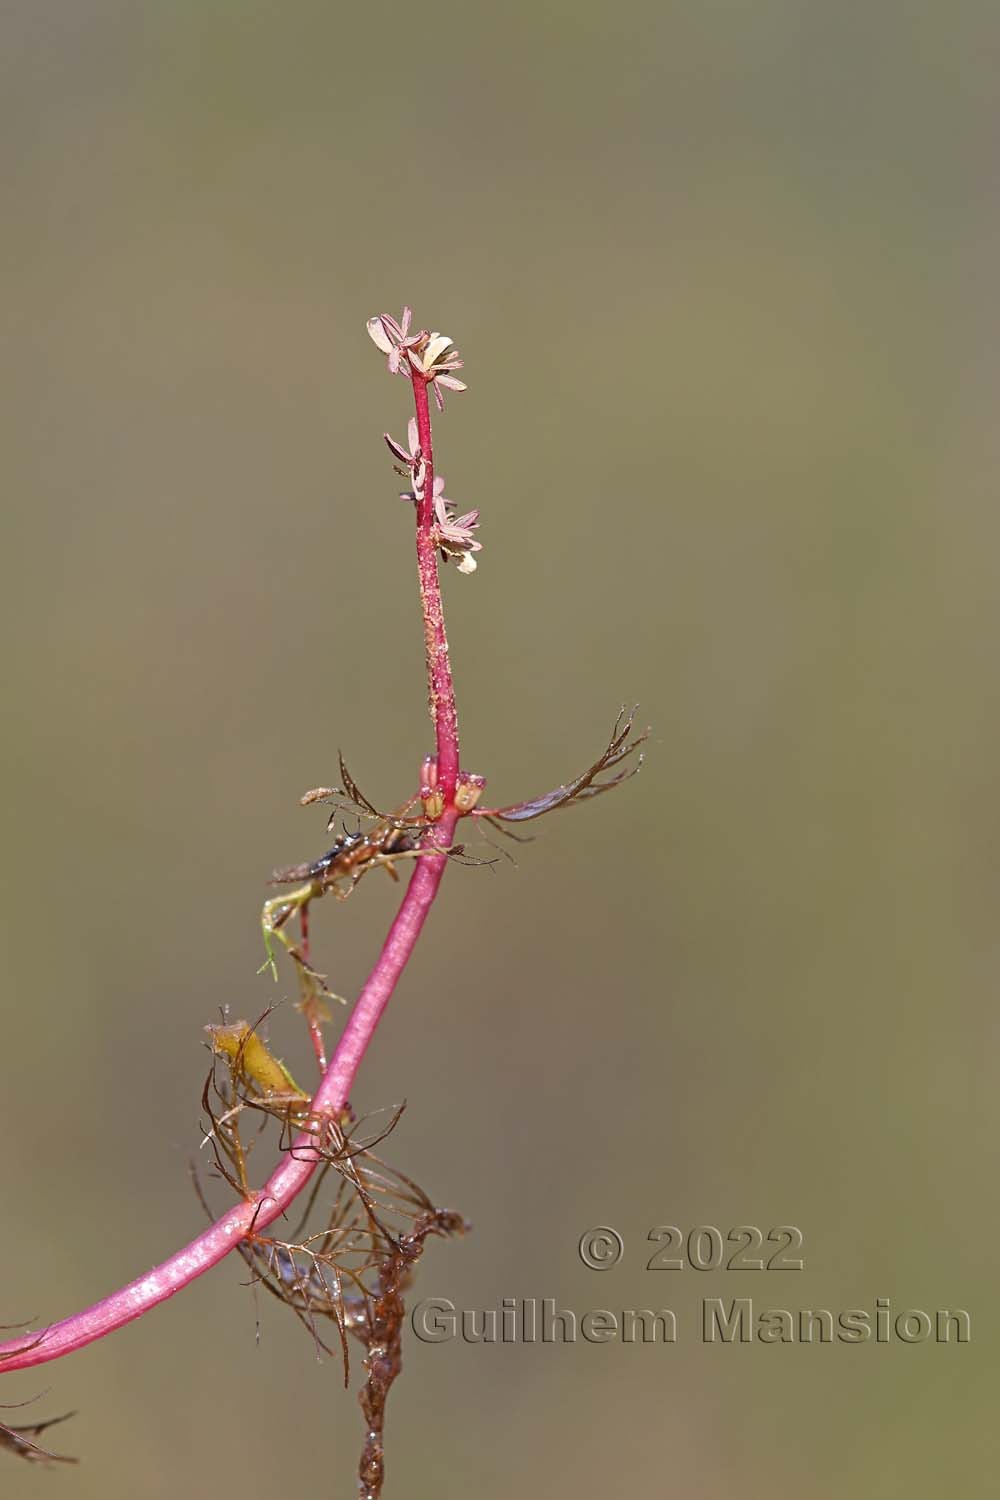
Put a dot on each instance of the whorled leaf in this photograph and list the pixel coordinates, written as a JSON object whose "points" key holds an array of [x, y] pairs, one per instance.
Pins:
{"points": [[588, 784]]}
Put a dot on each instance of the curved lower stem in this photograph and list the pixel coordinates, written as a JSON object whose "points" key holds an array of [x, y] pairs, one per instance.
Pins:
{"points": [[288, 1180]]}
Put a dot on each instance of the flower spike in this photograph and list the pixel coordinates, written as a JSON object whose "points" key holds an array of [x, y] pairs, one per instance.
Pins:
{"points": [[431, 355]]}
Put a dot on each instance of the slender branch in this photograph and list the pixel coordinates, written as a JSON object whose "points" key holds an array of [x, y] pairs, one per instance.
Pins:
{"points": [[295, 1170]]}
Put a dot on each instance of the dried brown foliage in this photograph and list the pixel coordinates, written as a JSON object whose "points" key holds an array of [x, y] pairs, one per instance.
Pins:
{"points": [[19, 1440], [588, 784], [352, 1254]]}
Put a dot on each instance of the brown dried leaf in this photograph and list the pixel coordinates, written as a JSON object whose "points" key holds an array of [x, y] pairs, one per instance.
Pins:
{"points": [[351, 789], [17, 1441], [619, 748]]}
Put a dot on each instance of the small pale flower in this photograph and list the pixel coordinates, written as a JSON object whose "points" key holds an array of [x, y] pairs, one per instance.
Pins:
{"points": [[454, 534], [394, 338], [431, 355], [436, 360], [411, 457], [417, 492]]}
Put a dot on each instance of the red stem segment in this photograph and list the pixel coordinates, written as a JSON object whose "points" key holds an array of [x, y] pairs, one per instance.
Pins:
{"points": [[295, 1170], [440, 689]]}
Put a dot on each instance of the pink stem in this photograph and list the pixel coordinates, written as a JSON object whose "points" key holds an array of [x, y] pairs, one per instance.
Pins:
{"points": [[441, 691], [298, 1165]]}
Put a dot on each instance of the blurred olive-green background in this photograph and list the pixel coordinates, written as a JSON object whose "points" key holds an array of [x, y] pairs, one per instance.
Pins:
{"points": [[724, 277]]}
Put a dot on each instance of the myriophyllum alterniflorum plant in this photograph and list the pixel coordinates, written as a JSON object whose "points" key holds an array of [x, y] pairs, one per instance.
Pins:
{"points": [[349, 1258]]}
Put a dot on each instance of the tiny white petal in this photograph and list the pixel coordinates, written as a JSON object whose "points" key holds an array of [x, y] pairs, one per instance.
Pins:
{"points": [[438, 344], [450, 382], [404, 325], [468, 564], [378, 335], [412, 435]]}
